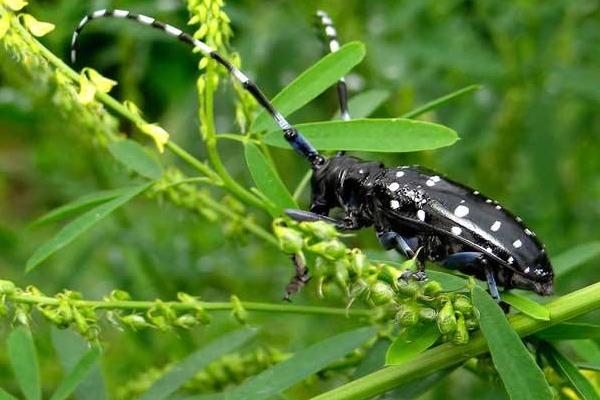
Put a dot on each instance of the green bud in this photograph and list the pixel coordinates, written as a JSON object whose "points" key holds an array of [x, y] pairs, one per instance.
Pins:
{"points": [[290, 240], [341, 275], [119, 295], [381, 293], [80, 322], [52, 315], [427, 314], [446, 320], [358, 288], [135, 321], [432, 288], [238, 311], [64, 309], [407, 288], [3, 310], [358, 262], [331, 249], [389, 275], [471, 323], [7, 287], [186, 321], [461, 335], [462, 304], [407, 315], [320, 229]]}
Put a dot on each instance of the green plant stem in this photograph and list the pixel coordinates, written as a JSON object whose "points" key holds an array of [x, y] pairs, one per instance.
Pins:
{"points": [[446, 355], [210, 138], [302, 185], [209, 306], [437, 102]]}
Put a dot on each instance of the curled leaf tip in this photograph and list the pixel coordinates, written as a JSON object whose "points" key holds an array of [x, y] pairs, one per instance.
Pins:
{"points": [[37, 28]]}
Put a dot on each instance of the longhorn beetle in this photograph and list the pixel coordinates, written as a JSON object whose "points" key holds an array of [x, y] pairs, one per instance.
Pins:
{"points": [[413, 210]]}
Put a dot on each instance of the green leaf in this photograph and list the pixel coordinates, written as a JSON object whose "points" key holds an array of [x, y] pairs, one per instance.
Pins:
{"points": [[301, 365], [440, 101], [4, 395], [134, 156], [587, 350], [590, 367], [374, 359], [78, 205], [194, 363], [77, 375], [81, 224], [522, 377], [312, 82], [23, 359], [362, 105], [569, 371], [408, 346], [575, 257], [394, 135], [527, 306], [570, 331], [267, 180], [449, 282]]}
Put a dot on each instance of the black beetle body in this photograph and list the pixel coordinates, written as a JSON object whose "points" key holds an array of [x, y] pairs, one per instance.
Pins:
{"points": [[451, 223]]}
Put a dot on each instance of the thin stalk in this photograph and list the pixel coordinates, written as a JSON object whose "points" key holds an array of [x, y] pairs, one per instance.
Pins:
{"points": [[439, 101], [446, 355], [209, 306], [210, 137], [302, 185]]}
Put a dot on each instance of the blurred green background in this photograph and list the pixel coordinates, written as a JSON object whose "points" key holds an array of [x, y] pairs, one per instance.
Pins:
{"points": [[530, 138]]}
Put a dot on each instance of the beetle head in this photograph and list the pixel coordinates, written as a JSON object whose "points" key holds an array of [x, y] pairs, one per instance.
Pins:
{"points": [[538, 277]]}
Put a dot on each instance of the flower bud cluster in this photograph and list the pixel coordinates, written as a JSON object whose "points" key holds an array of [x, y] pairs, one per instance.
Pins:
{"points": [[68, 310], [379, 285]]}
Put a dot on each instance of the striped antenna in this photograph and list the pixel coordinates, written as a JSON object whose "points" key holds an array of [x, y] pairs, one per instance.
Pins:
{"points": [[331, 37], [291, 134]]}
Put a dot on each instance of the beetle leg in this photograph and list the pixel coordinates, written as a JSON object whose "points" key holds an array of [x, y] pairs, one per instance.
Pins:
{"points": [[478, 260], [393, 240], [300, 278]]}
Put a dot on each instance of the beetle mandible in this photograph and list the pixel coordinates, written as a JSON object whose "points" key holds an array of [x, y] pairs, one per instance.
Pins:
{"points": [[412, 209]]}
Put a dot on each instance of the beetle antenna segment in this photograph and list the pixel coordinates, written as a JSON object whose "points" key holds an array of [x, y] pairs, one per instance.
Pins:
{"points": [[291, 134], [334, 45]]}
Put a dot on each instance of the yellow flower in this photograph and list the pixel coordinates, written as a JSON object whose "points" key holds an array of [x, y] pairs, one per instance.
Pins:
{"points": [[14, 5], [158, 134], [87, 90], [37, 28], [101, 83], [4, 24]]}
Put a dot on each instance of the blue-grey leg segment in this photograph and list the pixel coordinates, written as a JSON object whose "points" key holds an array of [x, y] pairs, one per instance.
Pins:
{"points": [[392, 240], [474, 259]]}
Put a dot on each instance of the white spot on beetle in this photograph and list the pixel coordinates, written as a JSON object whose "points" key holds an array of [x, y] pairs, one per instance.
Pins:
{"points": [[456, 230], [495, 226], [517, 243], [361, 171], [511, 260], [421, 215], [489, 250], [476, 193], [528, 232], [430, 182], [394, 204], [399, 174], [518, 219], [488, 201], [526, 270], [461, 211], [462, 201], [435, 178], [498, 208], [394, 186]]}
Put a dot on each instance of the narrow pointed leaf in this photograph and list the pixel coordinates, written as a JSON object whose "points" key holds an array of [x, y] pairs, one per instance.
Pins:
{"points": [[267, 180], [522, 377], [588, 366], [81, 224], [4, 395], [405, 348], [312, 82], [134, 156], [24, 362], [78, 205], [440, 101], [570, 331], [527, 306], [301, 365], [364, 104], [569, 371], [194, 363], [394, 135], [575, 257], [77, 375]]}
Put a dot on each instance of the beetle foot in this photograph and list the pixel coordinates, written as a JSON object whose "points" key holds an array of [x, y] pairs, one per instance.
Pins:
{"points": [[414, 275]]}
